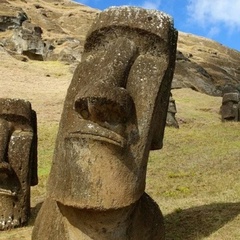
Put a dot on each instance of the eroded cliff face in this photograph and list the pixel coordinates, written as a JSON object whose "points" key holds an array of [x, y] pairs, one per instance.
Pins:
{"points": [[46, 30], [205, 65], [202, 64]]}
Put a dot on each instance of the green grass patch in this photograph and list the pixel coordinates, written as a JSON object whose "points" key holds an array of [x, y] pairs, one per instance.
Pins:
{"points": [[46, 141], [195, 178]]}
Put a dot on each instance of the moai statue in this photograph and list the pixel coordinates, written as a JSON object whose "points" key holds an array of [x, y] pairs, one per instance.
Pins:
{"points": [[114, 114], [18, 161], [172, 110], [230, 109]]}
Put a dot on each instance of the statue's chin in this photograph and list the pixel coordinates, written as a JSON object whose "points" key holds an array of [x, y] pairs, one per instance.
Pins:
{"points": [[9, 220], [104, 175]]}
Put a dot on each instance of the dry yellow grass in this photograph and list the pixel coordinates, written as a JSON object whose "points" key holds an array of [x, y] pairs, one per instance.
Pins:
{"points": [[195, 178]]}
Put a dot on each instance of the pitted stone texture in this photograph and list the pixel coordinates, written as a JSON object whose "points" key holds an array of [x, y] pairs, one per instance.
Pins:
{"points": [[114, 114], [152, 21], [18, 161]]}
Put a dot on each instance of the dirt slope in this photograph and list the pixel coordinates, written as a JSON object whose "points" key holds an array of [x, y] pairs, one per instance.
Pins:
{"points": [[202, 64]]}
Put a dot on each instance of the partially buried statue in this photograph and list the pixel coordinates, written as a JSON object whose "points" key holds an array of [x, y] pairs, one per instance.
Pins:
{"points": [[172, 110], [114, 114], [230, 109], [18, 161]]}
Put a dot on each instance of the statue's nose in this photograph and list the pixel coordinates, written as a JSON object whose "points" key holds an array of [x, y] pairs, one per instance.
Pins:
{"points": [[113, 107], [100, 110]]}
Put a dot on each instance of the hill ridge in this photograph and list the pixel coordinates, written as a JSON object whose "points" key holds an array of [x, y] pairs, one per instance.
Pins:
{"points": [[202, 64]]}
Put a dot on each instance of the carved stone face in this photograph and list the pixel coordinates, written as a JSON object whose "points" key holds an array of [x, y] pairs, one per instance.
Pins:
{"points": [[18, 158], [172, 110], [115, 110], [230, 108]]}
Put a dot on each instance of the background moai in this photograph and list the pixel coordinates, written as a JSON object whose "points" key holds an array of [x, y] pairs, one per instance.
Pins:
{"points": [[18, 161], [114, 114], [230, 109], [172, 110]]}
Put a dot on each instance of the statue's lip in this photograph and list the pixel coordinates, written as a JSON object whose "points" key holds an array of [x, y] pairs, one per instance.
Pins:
{"points": [[7, 192], [98, 133]]}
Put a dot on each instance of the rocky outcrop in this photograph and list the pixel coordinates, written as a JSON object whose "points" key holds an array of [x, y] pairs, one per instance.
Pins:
{"points": [[27, 40], [11, 17], [202, 64], [20, 35], [11, 22], [48, 30]]}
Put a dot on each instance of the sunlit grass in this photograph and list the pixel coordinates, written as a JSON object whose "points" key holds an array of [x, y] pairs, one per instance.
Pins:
{"points": [[197, 170], [46, 141], [195, 178]]}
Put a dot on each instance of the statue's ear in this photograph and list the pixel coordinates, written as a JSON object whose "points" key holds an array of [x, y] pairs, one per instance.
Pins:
{"points": [[157, 141], [158, 128], [33, 155], [160, 113]]}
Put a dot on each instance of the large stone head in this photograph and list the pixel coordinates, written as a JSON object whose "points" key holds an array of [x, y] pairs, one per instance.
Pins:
{"points": [[230, 109], [18, 161], [115, 110], [172, 110]]}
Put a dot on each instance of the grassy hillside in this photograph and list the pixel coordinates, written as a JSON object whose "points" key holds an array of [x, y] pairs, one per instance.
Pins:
{"points": [[195, 178], [201, 63]]}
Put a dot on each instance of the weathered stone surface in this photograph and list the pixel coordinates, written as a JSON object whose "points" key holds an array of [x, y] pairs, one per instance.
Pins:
{"points": [[114, 114], [172, 110], [25, 37], [60, 21], [18, 161], [11, 19], [28, 41]]}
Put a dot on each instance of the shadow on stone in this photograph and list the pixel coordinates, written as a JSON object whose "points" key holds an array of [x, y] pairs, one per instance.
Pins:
{"points": [[199, 222], [34, 213]]}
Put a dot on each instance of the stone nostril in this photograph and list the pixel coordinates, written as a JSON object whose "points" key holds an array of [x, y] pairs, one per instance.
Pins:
{"points": [[81, 107], [85, 114], [100, 110], [113, 106]]}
